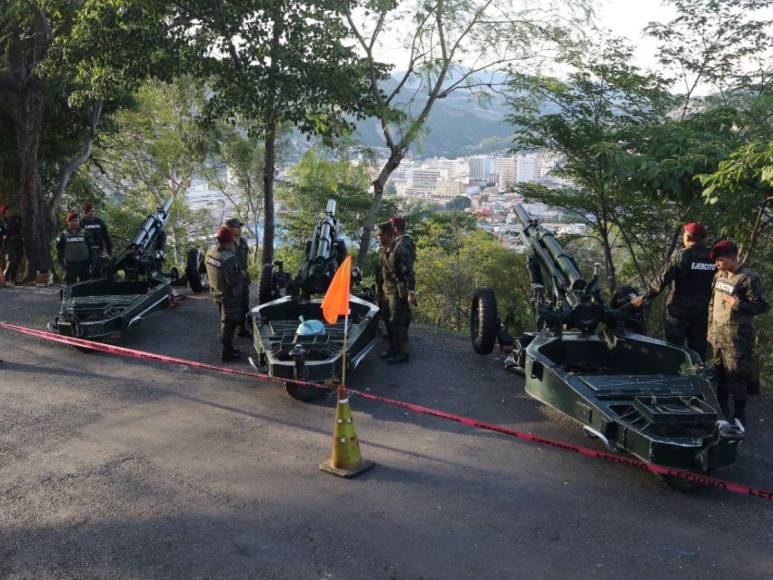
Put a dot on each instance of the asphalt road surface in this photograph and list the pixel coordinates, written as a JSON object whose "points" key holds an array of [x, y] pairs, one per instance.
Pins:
{"points": [[113, 467]]}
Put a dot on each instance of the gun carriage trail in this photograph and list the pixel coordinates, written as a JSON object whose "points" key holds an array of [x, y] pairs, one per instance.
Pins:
{"points": [[119, 467]]}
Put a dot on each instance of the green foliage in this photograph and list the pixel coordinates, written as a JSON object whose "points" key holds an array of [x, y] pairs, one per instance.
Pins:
{"points": [[315, 181], [453, 258]]}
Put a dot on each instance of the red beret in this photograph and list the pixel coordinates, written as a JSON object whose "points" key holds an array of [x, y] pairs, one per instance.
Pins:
{"points": [[398, 221], [224, 234], [723, 248], [694, 228], [71, 216], [88, 207]]}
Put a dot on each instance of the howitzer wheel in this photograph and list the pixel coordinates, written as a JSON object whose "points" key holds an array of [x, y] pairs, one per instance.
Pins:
{"points": [[303, 393], [266, 284], [484, 323], [197, 279]]}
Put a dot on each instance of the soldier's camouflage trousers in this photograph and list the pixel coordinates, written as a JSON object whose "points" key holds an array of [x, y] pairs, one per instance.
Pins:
{"points": [[398, 319], [690, 331], [734, 354], [230, 318]]}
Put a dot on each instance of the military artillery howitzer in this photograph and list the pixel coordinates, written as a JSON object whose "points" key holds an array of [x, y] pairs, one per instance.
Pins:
{"points": [[131, 288], [632, 392], [311, 351]]}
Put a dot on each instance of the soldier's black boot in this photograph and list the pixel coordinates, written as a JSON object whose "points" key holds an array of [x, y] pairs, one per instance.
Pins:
{"points": [[401, 356], [229, 353], [389, 352], [739, 410]]}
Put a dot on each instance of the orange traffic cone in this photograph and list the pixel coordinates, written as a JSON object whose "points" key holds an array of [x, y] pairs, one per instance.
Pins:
{"points": [[345, 459]]}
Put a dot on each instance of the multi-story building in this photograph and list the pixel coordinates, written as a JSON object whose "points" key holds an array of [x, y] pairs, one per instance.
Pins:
{"points": [[506, 170], [480, 167]]}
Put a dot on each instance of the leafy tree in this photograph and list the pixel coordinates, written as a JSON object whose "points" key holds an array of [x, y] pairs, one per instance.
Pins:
{"points": [[315, 181], [591, 119], [453, 258], [234, 167], [156, 149], [708, 42], [76, 58], [275, 64], [453, 45], [742, 187]]}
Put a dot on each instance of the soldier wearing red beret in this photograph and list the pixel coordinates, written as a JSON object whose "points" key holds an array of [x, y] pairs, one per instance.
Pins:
{"points": [[101, 244], [688, 276], [735, 300], [73, 251], [226, 281]]}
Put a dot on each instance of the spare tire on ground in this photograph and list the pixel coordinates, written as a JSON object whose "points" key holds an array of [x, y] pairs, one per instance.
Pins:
{"points": [[484, 323]]}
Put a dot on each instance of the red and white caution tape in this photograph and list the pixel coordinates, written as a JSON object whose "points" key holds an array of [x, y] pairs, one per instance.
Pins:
{"points": [[696, 478]]}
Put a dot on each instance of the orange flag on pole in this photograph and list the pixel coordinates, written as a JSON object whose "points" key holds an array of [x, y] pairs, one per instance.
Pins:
{"points": [[336, 300]]}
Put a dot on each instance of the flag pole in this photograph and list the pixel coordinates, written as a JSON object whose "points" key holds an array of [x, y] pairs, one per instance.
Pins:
{"points": [[343, 355]]}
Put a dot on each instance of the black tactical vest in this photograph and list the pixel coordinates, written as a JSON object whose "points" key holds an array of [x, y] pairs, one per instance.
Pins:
{"points": [[697, 274], [96, 229], [76, 247]]}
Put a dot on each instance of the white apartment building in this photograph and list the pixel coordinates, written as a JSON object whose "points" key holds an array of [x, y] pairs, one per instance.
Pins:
{"points": [[422, 181]]}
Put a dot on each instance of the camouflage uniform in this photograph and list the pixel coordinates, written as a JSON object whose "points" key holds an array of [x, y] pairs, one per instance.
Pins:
{"points": [[73, 251], [731, 333], [226, 281], [397, 280], [12, 246], [243, 253], [688, 275]]}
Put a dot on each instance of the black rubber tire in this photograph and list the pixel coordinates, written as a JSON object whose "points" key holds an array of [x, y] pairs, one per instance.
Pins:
{"points": [[305, 394], [266, 284], [679, 484], [483, 320], [196, 280]]}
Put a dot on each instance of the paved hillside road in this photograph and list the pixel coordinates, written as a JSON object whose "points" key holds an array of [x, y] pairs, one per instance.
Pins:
{"points": [[113, 467]]}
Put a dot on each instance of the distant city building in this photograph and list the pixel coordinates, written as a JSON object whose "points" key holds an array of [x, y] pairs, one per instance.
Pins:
{"points": [[422, 182], [480, 167], [506, 170]]}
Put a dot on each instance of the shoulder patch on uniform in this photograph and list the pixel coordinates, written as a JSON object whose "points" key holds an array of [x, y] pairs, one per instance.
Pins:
{"points": [[214, 262]]}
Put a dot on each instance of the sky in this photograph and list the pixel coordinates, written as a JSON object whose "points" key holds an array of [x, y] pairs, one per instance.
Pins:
{"points": [[623, 17]]}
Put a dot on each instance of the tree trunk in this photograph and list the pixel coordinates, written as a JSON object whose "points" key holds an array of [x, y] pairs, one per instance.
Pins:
{"points": [[269, 162], [610, 266], [27, 107], [379, 183]]}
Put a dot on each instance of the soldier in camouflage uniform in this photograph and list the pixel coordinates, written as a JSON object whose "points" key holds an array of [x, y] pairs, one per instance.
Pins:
{"points": [[688, 276], [735, 300], [73, 251], [243, 253], [398, 286], [386, 238], [226, 282]]}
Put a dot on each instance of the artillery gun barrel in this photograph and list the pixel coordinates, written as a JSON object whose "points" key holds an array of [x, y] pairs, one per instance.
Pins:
{"points": [[549, 251], [151, 226]]}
